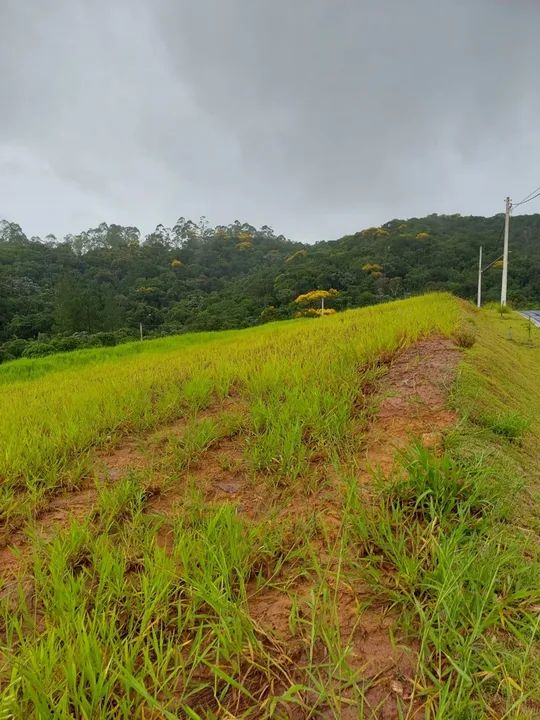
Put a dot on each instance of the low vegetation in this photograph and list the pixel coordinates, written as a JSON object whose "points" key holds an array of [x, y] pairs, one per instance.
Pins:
{"points": [[275, 523]]}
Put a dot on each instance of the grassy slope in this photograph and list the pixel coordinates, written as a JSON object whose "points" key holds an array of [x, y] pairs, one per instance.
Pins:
{"points": [[499, 391], [30, 369], [480, 627], [176, 632], [299, 369]]}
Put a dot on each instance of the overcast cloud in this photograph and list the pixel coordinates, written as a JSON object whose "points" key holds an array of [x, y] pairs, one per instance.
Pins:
{"points": [[317, 117]]}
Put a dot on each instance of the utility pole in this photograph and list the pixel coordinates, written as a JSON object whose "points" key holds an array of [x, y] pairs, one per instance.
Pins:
{"points": [[479, 296], [504, 283]]}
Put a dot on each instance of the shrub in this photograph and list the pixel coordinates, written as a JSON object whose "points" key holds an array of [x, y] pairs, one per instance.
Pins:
{"points": [[107, 339], [5, 356], [124, 334], [464, 337], [15, 347], [268, 314], [38, 349], [65, 344], [86, 340]]}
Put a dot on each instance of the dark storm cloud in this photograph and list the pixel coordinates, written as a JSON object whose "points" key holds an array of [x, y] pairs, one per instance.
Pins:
{"points": [[317, 117]]}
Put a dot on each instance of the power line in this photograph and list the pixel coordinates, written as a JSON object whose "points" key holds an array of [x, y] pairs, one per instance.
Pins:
{"points": [[500, 237], [509, 206], [528, 199], [533, 194], [528, 196]]}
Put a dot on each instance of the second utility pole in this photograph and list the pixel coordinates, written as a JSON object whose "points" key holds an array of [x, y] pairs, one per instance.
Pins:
{"points": [[479, 295], [504, 283]]}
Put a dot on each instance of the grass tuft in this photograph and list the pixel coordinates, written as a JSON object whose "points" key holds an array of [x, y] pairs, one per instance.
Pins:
{"points": [[511, 424], [464, 337]]}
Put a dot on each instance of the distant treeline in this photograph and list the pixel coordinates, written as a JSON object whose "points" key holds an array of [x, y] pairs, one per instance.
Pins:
{"points": [[96, 287]]}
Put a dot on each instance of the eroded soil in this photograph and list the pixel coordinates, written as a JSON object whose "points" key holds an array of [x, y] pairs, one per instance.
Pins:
{"points": [[413, 404]]}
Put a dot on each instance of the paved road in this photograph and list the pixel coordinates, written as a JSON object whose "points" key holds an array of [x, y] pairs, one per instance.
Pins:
{"points": [[534, 316]]}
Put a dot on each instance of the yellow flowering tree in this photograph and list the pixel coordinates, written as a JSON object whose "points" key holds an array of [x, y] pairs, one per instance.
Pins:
{"points": [[375, 232], [313, 296], [245, 240], [373, 269]]}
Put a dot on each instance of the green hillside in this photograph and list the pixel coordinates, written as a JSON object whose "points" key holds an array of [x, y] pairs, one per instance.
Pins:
{"points": [[96, 287]]}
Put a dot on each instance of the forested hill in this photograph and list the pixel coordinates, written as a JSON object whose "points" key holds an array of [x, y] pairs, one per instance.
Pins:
{"points": [[104, 281]]}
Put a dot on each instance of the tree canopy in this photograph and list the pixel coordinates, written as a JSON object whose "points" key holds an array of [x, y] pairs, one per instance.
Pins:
{"points": [[98, 285]]}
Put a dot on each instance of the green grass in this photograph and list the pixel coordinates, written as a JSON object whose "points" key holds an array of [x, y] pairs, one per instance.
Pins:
{"points": [[510, 425], [458, 576], [300, 368], [459, 533], [26, 369], [135, 613]]}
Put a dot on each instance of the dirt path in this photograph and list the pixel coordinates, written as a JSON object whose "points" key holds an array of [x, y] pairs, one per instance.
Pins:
{"points": [[413, 406], [414, 403]]}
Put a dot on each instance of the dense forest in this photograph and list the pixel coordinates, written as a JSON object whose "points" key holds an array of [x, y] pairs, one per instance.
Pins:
{"points": [[98, 286]]}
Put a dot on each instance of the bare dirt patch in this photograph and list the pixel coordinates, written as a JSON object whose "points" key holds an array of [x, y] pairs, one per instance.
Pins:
{"points": [[221, 474], [60, 512], [224, 470], [130, 454], [413, 407], [414, 403], [134, 453], [115, 464], [386, 665]]}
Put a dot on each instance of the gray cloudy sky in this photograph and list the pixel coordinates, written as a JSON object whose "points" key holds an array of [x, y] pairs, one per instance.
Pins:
{"points": [[317, 117]]}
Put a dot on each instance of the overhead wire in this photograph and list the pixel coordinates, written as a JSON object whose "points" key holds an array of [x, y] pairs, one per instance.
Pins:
{"points": [[531, 196], [500, 256], [522, 202], [531, 193]]}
